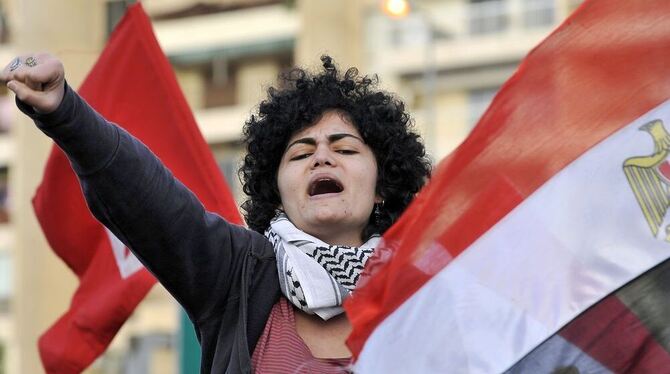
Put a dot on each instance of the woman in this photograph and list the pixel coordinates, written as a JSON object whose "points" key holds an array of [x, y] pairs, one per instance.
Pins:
{"points": [[331, 164]]}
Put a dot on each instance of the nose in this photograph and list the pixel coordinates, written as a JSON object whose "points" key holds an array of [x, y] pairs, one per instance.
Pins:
{"points": [[323, 156]]}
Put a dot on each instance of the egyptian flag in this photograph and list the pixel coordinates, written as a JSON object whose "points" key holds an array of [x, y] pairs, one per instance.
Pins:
{"points": [[540, 244], [133, 85]]}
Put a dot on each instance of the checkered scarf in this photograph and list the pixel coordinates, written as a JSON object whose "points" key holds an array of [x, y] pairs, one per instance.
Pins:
{"points": [[315, 276]]}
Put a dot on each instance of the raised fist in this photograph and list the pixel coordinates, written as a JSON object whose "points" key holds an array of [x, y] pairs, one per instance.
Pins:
{"points": [[37, 79]]}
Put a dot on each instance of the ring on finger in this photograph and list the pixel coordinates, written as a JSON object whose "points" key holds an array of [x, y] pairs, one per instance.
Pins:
{"points": [[31, 61], [15, 64]]}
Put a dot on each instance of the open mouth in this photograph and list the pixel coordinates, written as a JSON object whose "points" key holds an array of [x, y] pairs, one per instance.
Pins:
{"points": [[324, 186]]}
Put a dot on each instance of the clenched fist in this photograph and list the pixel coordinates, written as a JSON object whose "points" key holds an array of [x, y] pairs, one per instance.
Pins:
{"points": [[37, 79]]}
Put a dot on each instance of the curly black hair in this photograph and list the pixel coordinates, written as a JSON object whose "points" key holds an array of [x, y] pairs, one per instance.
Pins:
{"points": [[300, 101]]}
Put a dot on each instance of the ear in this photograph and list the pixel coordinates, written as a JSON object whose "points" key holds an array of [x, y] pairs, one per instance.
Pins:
{"points": [[378, 199]]}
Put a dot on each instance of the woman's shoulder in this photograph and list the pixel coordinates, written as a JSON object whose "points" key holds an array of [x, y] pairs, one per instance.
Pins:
{"points": [[258, 245]]}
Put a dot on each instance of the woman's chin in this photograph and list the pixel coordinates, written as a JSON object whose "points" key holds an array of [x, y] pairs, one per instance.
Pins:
{"points": [[326, 224], [328, 217]]}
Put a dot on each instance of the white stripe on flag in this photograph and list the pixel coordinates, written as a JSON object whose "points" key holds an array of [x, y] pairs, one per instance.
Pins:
{"points": [[578, 238]]}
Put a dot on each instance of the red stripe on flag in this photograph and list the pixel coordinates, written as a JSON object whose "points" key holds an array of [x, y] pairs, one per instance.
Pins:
{"points": [[602, 68], [612, 334], [664, 168], [501, 197]]}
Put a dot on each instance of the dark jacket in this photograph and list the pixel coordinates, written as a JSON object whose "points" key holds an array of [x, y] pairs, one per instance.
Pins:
{"points": [[224, 275]]}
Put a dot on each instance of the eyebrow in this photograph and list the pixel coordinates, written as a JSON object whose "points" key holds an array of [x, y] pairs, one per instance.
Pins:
{"points": [[331, 139]]}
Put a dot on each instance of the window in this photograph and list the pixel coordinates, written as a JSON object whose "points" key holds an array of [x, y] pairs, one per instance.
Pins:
{"points": [[5, 281], [228, 167], [479, 101], [3, 361], [151, 353], [6, 113], [573, 4], [227, 80], [4, 29], [228, 157], [487, 16], [412, 30], [115, 11], [537, 13], [220, 83]]}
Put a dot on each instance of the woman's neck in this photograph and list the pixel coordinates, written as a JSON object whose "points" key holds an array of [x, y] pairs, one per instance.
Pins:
{"points": [[325, 339], [340, 239]]}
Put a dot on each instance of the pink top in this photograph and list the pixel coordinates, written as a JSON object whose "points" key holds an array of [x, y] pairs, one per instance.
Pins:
{"points": [[281, 350]]}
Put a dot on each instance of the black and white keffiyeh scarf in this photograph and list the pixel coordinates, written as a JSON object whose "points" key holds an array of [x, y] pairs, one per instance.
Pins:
{"points": [[315, 276]]}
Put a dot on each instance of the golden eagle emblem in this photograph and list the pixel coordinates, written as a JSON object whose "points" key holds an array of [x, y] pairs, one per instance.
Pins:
{"points": [[649, 178]]}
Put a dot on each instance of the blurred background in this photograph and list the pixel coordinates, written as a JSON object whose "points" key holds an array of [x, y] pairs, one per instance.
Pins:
{"points": [[445, 58]]}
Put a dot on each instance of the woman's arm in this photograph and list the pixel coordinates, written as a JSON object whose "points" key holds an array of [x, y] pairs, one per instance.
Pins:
{"points": [[195, 254]]}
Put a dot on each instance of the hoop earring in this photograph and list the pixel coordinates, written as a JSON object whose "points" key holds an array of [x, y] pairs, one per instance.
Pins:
{"points": [[378, 211]]}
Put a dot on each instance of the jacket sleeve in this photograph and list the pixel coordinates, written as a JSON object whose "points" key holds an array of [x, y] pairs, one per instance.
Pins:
{"points": [[194, 253]]}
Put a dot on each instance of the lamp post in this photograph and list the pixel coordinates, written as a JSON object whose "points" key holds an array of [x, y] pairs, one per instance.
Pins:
{"points": [[398, 9]]}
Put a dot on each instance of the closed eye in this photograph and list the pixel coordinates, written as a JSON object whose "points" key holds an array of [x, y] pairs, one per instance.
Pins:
{"points": [[300, 156]]}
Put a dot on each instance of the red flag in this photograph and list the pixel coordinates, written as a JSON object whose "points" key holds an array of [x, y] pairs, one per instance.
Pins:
{"points": [[553, 202], [133, 85]]}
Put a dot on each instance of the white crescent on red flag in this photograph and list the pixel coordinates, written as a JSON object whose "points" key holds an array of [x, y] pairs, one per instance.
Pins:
{"points": [[133, 85], [540, 244]]}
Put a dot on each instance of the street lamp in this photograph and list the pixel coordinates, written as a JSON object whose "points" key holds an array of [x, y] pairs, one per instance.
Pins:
{"points": [[396, 8]]}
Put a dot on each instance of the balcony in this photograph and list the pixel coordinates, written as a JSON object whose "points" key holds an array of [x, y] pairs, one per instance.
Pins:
{"points": [[462, 34], [231, 34], [223, 124], [6, 149]]}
